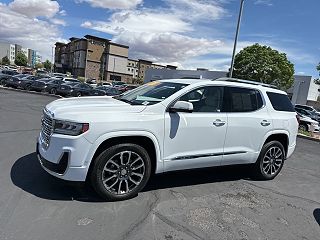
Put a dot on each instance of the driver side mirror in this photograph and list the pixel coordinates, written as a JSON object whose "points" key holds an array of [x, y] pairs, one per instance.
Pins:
{"points": [[181, 106]]}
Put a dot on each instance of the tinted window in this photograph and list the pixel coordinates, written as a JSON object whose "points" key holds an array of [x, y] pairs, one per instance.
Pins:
{"points": [[241, 100], [280, 102], [205, 99]]}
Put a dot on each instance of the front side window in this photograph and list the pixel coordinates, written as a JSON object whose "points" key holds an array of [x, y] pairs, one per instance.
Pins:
{"points": [[205, 99], [151, 93], [237, 99]]}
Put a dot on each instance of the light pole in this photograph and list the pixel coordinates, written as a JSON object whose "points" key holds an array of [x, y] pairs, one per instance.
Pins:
{"points": [[52, 56], [236, 37]]}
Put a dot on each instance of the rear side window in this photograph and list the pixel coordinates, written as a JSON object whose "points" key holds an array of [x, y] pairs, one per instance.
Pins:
{"points": [[280, 102], [238, 99]]}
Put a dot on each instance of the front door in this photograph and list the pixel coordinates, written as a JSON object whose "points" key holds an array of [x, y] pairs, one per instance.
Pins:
{"points": [[194, 140]]}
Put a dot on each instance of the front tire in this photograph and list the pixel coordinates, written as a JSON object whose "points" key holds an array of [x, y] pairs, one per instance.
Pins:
{"points": [[121, 171], [270, 161], [53, 91]]}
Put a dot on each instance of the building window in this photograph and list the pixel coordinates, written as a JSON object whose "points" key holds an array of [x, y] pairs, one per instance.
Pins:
{"points": [[128, 69]]}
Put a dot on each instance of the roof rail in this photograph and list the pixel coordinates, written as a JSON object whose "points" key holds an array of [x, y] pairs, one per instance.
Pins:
{"points": [[246, 81]]}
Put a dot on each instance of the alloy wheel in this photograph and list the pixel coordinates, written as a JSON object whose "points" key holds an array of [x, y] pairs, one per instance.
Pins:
{"points": [[272, 161], [123, 172]]}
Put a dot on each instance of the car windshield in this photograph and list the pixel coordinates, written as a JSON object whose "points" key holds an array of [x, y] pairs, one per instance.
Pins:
{"points": [[151, 93]]}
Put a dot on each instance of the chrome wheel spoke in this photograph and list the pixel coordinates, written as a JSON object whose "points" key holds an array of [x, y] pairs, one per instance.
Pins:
{"points": [[119, 188], [109, 170], [139, 158], [137, 167], [136, 183], [272, 160], [127, 185], [109, 187], [106, 180], [114, 163], [137, 174]]}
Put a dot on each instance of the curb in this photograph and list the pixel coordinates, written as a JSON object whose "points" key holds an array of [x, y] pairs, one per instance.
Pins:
{"points": [[309, 138], [30, 92]]}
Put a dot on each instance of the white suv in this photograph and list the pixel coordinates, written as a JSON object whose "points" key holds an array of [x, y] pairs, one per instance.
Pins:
{"points": [[118, 142]]}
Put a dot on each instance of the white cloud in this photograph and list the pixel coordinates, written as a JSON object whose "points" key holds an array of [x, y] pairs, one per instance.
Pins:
{"points": [[40, 35], [58, 21], [63, 13], [264, 2], [138, 21], [197, 9], [35, 8], [166, 47], [113, 4]]}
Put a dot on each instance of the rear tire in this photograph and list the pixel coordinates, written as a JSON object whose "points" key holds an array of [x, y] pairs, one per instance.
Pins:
{"points": [[28, 87], [303, 127], [121, 171], [270, 161], [53, 91]]}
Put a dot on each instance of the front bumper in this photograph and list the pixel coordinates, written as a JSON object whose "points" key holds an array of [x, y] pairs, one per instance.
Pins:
{"points": [[291, 150], [66, 157]]}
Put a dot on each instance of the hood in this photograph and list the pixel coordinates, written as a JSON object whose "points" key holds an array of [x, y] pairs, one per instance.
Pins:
{"points": [[85, 109]]}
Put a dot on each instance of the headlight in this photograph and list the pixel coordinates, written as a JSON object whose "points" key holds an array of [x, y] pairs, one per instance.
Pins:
{"points": [[70, 128]]}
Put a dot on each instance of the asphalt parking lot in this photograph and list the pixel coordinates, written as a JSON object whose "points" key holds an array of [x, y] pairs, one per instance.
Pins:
{"points": [[216, 203]]}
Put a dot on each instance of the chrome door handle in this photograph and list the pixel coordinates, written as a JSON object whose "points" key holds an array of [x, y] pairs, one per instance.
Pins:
{"points": [[219, 123], [265, 123]]}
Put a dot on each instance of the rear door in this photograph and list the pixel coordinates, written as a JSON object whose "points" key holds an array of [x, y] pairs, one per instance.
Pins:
{"points": [[248, 123]]}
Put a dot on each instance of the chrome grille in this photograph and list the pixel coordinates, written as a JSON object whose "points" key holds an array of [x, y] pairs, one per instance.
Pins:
{"points": [[46, 129]]}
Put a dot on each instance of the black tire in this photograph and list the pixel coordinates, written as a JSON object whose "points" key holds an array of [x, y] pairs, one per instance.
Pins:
{"points": [[304, 127], [28, 87], [260, 167], [53, 91], [98, 173], [78, 94]]}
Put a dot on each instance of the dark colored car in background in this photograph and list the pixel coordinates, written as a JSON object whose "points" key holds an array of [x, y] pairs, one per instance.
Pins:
{"points": [[53, 85], [40, 84], [105, 90], [25, 82], [81, 89], [13, 81], [5, 75], [65, 89]]}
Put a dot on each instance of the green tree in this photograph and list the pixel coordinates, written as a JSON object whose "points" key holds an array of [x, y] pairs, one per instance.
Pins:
{"points": [[39, 65], [47, 65], [264, 64], [5, 60], [21, 59]]}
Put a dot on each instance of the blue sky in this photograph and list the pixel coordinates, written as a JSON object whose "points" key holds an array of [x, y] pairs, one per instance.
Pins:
{"points": [[187, 33]]}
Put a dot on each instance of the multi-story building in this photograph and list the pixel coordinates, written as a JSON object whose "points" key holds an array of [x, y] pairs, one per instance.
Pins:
{"points": [[25, 51], [7, 49], [93, 57], [38, 58], [132, 68], [32, 57]]}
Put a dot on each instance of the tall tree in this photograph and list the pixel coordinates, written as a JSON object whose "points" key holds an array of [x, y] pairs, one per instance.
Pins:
{"points": [[21, 59], [264, 64], [5, 60], [47, 65], [39, 65]]}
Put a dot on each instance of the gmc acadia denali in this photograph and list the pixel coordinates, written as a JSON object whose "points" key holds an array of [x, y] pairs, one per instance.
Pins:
{"points": [[116, 143]]}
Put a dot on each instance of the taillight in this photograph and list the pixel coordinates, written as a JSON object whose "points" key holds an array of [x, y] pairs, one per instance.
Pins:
{"points": [[298, 118]]}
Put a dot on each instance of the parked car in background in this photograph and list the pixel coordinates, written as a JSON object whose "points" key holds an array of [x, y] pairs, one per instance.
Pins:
{"points": [[15, 80], [25, 82], [308, 108], [307, 113], [105, 90], [126, 87], [81, 89], [307, 124], [53, 85], [5, 75], [70, 79], [39, 85], [65, 89], [117, 83]]}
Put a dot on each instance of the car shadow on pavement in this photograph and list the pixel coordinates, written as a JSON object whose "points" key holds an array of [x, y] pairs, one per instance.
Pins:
{"points": [[27, 174], [316, 214]]}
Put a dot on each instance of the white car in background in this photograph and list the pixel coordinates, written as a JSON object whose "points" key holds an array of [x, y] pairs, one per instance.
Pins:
{"points": [[307, 124]]}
